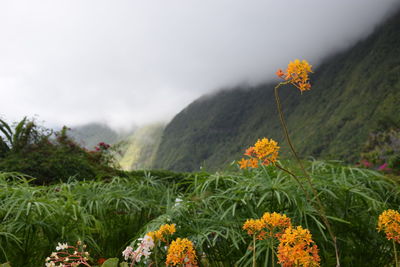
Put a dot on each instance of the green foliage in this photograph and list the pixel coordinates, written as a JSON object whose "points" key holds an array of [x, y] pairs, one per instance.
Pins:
{"points": [[109, 215], [104, 215], [35, 151], [214, 209], [113, 262], [352, 91], [383, 149]]}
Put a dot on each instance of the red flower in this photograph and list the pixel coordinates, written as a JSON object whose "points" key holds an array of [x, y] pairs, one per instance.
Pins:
{"points": [[101, 261]]}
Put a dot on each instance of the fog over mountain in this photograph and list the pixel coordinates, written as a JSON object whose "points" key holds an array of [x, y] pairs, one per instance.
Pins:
{"points": [[132, 62]]}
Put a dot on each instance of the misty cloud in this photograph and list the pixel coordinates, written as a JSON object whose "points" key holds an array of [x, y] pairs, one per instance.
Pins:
{"points": [[133, 62]]}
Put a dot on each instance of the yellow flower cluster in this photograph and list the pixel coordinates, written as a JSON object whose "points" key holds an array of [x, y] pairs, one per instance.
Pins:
{"points": [[296, 248], [389, 222], [264, 150], [276, 223], [163, 232], [297, 74], [255, 227], [271, 224], [181, 251]]}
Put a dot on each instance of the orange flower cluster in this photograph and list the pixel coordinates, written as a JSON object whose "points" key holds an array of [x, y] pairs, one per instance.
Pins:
{"points": [[276, 223], [163, 232], [296, 248], [255, 227], [297, 74], [389, 221], [181, 251], [264, 150], [271, 225]]}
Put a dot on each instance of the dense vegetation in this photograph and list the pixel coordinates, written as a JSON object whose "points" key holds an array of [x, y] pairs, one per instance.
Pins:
{"points": [[105, 215], [353, 93], [50, 156], [109, 215]]}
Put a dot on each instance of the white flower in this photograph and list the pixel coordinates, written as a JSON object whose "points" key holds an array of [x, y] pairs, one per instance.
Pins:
{"points": [[127, 252], [147, 241], [177, 201], [62, 246]]}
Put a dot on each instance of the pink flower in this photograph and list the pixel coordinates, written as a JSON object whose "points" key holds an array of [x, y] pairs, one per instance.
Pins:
{"points": [[366, 163], [383, 167], [127, 252]]}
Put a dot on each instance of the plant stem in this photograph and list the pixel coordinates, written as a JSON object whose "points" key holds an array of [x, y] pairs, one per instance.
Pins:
{"points": [[320, 208], [254, 251], [156, 252], [272, 253], [395, 253]]}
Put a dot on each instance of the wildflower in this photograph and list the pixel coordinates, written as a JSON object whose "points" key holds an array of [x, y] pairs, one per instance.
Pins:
{"points": [[280, 73], [384, 167], [296, 248], [127, 252], [163, 232], [101, 261], [389, 222], [275, 223], [61, 246], [67, 257], [248, 163], [166, 230], [265, 150], [181, 251], [255, 227], [144, 248], [297, 74], [366, 163]]}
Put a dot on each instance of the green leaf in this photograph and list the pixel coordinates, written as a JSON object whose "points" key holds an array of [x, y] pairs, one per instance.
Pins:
{"points": [[112, 262]]}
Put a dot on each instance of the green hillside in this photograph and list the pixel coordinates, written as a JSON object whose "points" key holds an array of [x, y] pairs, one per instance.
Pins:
{"points": [[89, 135], [141, 146], [354, 92]]}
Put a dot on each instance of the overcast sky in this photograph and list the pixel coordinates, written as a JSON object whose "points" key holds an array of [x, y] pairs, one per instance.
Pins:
{"points": [[133, 62]]}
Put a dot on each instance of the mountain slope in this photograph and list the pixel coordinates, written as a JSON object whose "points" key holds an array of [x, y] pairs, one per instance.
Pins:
{"points": [[141, 147], [89, 135], [353, 93]]}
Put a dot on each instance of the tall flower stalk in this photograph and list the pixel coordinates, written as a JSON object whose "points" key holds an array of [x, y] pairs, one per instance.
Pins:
{"points": [[297, 75], [265, 151]]}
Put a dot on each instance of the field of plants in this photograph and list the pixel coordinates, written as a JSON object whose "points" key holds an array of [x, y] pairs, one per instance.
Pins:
{"points": [[209, 210]]}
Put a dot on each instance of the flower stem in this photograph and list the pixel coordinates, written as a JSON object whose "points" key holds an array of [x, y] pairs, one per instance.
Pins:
{"points": [[272, 253], [395, 253], [320, 207], [254, 251]]}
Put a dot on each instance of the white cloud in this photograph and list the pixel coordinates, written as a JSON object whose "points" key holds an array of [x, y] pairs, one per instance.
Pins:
{"points": [[125, 62]]}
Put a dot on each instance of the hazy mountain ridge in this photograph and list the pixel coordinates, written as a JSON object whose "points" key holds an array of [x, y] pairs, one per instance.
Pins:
{"points": [[352, 92], [141, 147], [89, 135], [134, 149]]}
